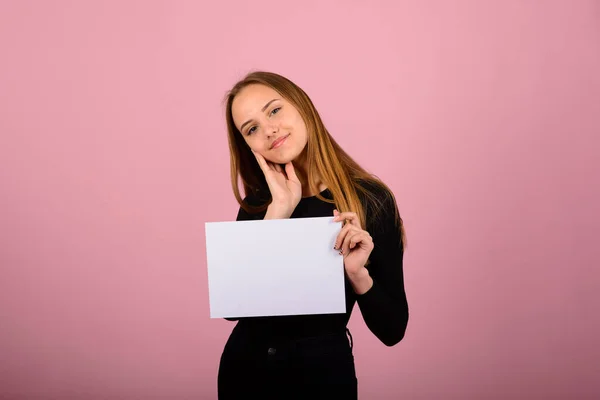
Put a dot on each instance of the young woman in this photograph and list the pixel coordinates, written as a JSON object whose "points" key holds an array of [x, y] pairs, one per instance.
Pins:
{"points": [[291, 167]]}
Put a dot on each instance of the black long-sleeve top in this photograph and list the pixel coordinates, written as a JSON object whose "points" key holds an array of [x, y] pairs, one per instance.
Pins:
{"points": [[384, 306]]}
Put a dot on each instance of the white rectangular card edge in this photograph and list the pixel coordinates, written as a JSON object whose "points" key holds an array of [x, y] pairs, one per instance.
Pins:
{"points": [[335, 306]]}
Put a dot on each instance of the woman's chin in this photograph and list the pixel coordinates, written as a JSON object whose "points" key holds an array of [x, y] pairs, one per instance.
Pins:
{"points": [[284, 154], [280, 158]]}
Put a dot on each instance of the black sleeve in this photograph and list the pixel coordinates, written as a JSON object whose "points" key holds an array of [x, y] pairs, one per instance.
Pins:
{"points": [[384, 306]]}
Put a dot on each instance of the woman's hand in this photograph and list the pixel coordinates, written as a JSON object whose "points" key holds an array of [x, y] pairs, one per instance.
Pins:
{"points": [[284, 185], [355, 244]]}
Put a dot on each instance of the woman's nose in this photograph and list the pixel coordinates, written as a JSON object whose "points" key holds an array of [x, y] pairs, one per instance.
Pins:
{"points": [[272, 130]]}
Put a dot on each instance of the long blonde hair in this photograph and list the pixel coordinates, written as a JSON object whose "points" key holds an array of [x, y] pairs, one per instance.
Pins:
{"points": [[327, 161]]}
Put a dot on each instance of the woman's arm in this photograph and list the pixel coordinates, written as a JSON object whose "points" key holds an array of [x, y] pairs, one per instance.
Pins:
{"points": [[384, 306]]}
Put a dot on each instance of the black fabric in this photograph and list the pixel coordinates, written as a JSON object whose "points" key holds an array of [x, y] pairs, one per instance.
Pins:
{"points": [[320, 367], [311, 355]]}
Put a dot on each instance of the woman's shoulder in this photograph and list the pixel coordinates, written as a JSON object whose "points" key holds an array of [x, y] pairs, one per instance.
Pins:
{"points": [[379, 203], [253, 199], [252, 207], [374, 192]]}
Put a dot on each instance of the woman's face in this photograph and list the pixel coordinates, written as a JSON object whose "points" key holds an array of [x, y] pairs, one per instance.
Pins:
{"points": [[269, 124]]}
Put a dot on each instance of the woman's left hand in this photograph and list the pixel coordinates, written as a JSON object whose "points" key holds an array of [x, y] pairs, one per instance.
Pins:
{"points": [[354, 243]]}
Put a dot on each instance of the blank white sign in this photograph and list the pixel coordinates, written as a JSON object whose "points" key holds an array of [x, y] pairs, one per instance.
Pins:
{"points": [[274, 267]]}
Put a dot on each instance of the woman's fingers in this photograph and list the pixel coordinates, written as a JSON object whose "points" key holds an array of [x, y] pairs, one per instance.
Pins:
{"points": [[262, 163], [350, 217], [360, 237], [341, 238], [348, 239], [351, 233], [291, 172], [266, 166], [355, 238]]}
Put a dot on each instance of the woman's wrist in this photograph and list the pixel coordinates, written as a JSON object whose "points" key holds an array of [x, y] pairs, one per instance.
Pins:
{"points": [[361, 281], [275, 211]]}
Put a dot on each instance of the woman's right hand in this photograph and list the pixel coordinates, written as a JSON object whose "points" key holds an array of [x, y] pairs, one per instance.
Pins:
{"points": [[285, 187]]}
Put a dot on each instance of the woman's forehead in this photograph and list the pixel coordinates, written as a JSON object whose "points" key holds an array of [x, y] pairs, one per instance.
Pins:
{"points": [[251, 100]]}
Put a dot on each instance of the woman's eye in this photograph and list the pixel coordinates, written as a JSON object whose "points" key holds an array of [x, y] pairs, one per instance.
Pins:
{"points": [[251, 130], [275, 110]]}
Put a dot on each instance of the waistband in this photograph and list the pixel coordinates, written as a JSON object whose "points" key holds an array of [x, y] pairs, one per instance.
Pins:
{"points": [[264, 331]]}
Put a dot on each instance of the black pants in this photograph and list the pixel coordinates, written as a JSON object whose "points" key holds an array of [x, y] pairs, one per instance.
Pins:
{"points": [[320, 367]]}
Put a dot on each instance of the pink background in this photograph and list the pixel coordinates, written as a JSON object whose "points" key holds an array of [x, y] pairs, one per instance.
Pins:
{"points": [[483, 116]]}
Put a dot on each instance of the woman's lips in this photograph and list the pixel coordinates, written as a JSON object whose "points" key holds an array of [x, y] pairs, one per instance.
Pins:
{"points": [[279, 141]]}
